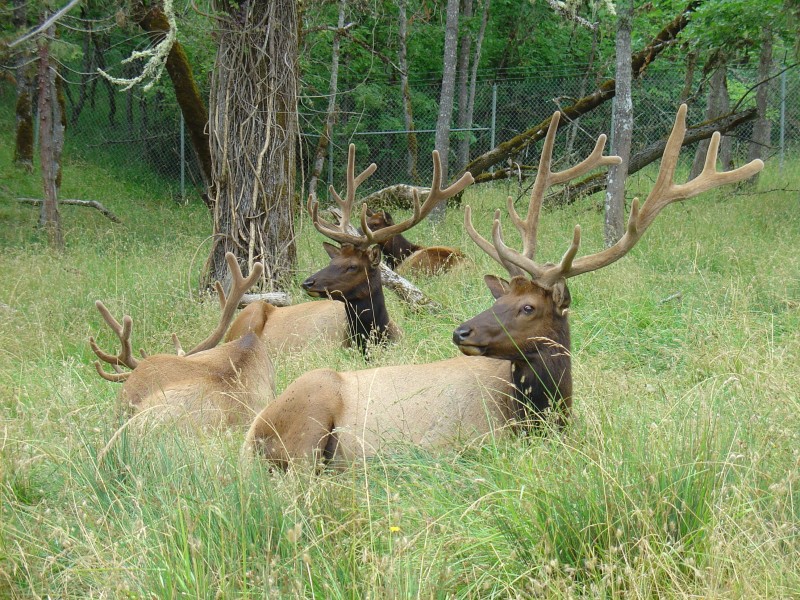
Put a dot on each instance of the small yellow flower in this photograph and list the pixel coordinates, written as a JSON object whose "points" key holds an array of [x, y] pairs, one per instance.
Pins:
{"points": [[394, 529]]}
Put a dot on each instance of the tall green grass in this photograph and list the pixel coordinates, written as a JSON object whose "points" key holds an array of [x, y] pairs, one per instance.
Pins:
{"points": [[677, 478]]}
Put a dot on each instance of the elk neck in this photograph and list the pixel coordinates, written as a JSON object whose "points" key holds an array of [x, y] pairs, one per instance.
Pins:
{"points": [[367, 317], [542, 376], [396, 249]]}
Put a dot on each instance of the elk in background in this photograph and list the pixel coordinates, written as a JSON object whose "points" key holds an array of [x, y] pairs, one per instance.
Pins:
{"points": [[210, 385], [404, 256], [342, 416], [353, 276]]}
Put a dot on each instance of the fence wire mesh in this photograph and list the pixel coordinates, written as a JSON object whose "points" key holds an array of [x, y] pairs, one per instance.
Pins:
{"points": [[143, 132]]}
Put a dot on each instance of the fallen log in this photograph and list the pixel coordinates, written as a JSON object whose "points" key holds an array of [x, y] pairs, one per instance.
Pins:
{"points": [[72, 202]]}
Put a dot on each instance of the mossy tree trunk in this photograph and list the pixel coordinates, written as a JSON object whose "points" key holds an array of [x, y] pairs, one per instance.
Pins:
{"points": [[253, 136], [23, 145], [51, 141], [193, 108]]}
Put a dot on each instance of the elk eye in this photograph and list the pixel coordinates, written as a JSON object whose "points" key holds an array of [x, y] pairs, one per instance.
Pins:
{"points": [[352, 268], [527, 309]]}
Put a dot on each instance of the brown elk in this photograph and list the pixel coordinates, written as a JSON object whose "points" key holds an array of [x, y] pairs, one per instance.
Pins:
{"points": [[406, 257], [517, 362], [210, 385], [353, 276]]}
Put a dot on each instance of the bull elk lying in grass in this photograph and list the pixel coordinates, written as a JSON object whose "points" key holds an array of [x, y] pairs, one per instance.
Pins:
{"points": [[518, 360], [210, 385], [404, 256], [355, 311]]}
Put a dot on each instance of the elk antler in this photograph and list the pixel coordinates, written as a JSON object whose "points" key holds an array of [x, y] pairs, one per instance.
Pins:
{"points": [[339, 232], [239, 286], [664, 192], [228, 305], [125, 357]]}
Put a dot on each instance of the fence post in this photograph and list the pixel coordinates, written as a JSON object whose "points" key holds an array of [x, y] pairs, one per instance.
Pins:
{"points": [[783, 120], [183, 158], [494, 114]]}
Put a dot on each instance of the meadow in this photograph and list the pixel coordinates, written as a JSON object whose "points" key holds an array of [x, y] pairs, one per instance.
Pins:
{"points": [[678, 477]]}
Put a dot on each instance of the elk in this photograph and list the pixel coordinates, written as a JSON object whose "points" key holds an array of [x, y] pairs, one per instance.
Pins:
{"points": [[353, 275], [210, 385], [516, 362], [406, 257]]}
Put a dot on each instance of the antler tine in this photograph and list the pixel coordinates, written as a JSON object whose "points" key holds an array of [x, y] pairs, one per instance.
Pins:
{"points": [[436, 195], [338, 233], [113, 377], [125, 357], [664, 192], [514, 262], [239, 286]]}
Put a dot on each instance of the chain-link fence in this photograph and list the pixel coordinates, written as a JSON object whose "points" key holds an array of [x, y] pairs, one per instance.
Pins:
{"points": [[143, 133]]}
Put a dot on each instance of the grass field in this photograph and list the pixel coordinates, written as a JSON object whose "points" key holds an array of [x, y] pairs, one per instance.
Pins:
{"points": [[679, 476]]}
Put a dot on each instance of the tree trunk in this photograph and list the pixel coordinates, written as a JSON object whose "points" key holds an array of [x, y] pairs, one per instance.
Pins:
{"points": [[479, 166], [408, 113], [623, 128], [573, 130], [717, 104], [761, 128], [462, 74], [442, 143], [23, 145], [254, 135], [51, 141], [465, 143], [327, 134], [192, 106], [688, 80]]}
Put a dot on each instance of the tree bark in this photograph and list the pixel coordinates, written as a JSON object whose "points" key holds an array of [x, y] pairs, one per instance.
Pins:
{"points": [[408, 113], [761, 128], [465, 143], [327, 134], [480, 166], [193, 108], [462, 75], [623, 128], [51, 141], [442, 143], [253, 135], [23, 142]]}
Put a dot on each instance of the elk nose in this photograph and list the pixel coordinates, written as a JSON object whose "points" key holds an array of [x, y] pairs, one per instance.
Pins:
{"points": [[461, 334], [307, 284]]}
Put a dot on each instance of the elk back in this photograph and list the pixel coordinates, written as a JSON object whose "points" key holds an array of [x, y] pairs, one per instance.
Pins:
{"points": [[431, 261]]}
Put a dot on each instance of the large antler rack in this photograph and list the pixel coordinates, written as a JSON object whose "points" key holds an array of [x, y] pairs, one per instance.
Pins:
{"points": [[228, 305], [664, 192], [338, 232]]}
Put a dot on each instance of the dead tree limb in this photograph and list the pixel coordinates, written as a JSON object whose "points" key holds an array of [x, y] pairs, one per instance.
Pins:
{"points": [[88, 203], [480, 166]]}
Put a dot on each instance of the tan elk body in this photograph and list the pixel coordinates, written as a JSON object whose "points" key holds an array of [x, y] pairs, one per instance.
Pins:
{"points": [[208, 386], [518, 362]]}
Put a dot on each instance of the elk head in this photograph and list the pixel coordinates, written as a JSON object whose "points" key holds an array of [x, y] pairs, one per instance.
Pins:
{"points": [[353, 275], [528, 322]]}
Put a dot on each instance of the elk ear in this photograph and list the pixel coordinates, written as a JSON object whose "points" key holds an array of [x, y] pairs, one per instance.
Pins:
{"points": [[374, 256], [498, 286], [387, 218], [333, 251], [561, 297]]}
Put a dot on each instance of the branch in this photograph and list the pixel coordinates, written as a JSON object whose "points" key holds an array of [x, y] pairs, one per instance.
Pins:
{"points": [[88, 203], [639, 63], [55, 17], [571, 16]]}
